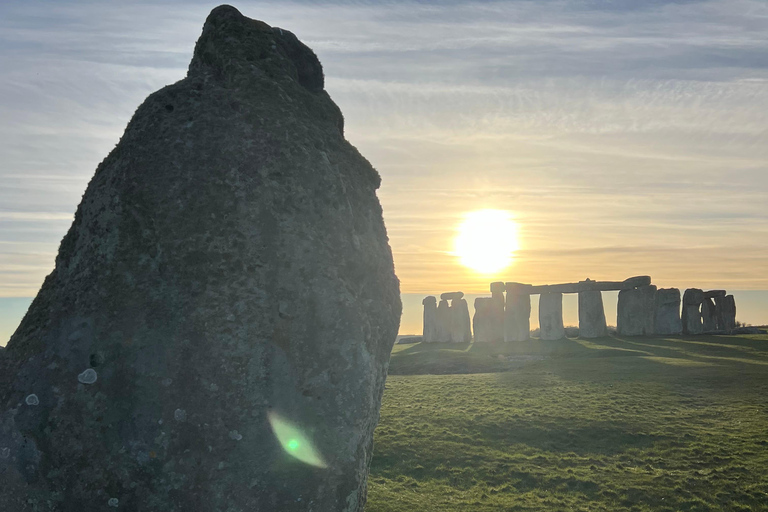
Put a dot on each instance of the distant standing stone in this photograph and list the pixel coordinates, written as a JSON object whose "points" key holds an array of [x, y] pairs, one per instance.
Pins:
{"points": [[443, 322], [691, 316], [726, 311], [634, 311], [429, 333], [517, 313], [591, 315], [551, 316], [708, 315], [461, 330], [666, 319], [482, 320], [451, 295]]}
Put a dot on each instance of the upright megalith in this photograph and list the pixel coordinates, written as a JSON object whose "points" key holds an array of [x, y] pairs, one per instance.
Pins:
{"points": [[726, 312], [443, 322], [592, 315], [496, 314], [517, 312], [429, 334], [666, 315], [482, 321], [708, 314], [216, 330], [461, 330], [691, 316], [551, 316], [635, 310]]}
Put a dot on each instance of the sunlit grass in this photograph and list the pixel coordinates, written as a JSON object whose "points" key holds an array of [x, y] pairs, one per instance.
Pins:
{"points": [[634, 424]]}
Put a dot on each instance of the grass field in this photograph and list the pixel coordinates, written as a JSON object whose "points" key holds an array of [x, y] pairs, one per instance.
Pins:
{"points": [[614, 424]]}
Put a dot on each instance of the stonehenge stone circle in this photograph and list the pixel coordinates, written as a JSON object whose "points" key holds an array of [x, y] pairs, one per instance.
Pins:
{"points": [[591, 315], [517, 313], [216, 330], [482, 320], [635, 310], [708, 315], [551, 316], [691, 316], [429, 334], [666, 317]]}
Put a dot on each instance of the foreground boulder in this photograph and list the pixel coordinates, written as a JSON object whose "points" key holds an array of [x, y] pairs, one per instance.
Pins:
{"points": [[216, 331]]}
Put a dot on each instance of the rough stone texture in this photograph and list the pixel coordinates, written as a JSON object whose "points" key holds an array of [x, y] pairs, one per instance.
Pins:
{"points": [[551, 316], [451, 295], [592, 315], [708, 315], [430, 319], [712, 294], [666, 316], [517, 313], [691, 316], [443, 322], [726, 312], [635, 311], [228, 260], [461, 330], [482, 320]]}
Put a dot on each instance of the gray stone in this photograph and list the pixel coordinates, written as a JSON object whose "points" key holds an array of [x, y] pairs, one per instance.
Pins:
{"points": [[517, 314], [232, 235], [712, 294], [726, 312], [461, 330], [691, 316], [409, 340], [636, 282], [430, 319], [635, 309], [708, 315], [551, 316], [451, 295], [497, 287], [443, 322], [482, 320], [592, 315], [666, 316]]}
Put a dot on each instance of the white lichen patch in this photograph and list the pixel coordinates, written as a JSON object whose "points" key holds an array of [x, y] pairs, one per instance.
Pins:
{"points": [[5, 453], [235, 435], [113, 502], [32, 399], [167, 382], [88, 376], [180, 415]]}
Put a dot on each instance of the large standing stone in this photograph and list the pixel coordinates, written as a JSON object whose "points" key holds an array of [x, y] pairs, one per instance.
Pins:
{"points": [[726, 312], [666, 318], [497, 312], [429, 334], [591, 315], [482, 321], [461, 331], [443, 322], [216, 330], [708, 315], [635, 311], [517, 313], [551, 316], [691, 316]]}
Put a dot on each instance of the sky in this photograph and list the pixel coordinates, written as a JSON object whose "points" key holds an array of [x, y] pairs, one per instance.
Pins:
{"points": [[623, 137]]}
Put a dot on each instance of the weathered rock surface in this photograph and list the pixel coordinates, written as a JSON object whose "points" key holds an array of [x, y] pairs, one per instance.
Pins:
{"points": [[461, 330], [517, 313], [691, 316], [635, 309], [726, 312], [430, 319], [482, 320], [226, 281], [666, 317], [551, 316], [708, 315], [497, 287], [451, 295], [592, 315], [443, 322]]}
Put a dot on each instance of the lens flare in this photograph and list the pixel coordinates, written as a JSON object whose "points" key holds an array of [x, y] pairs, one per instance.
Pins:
{"points": [[294, 442], [486, 240]]}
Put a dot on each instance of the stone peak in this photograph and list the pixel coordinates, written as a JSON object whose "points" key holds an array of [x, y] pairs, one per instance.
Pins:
{"points": [[234, 46]]}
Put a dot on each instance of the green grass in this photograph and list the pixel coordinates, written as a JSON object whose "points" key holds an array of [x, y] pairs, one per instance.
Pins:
{"points": [[614, 424]]}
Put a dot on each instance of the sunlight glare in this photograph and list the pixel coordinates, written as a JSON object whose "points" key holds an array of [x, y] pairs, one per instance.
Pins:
{"points": [[294, 442], [486, 240]]}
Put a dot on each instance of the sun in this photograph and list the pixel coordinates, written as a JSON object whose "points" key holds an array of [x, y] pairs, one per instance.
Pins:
{"points": [[486, 240]]}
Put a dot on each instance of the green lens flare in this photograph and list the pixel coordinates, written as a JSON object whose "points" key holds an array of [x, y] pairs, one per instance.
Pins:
{"points": [[294, 442]]}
